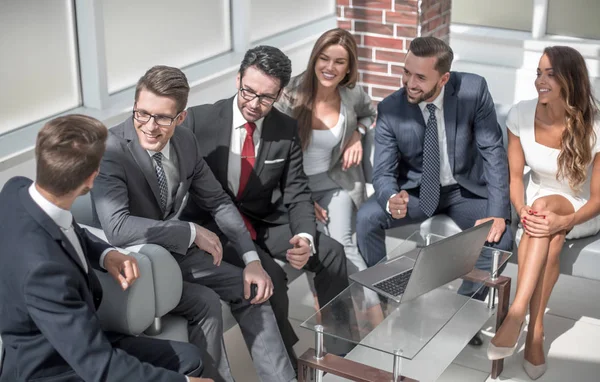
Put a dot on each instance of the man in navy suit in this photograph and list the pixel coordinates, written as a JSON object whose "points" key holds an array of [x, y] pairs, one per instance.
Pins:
{"points": [[48, 291], [438, 149]]}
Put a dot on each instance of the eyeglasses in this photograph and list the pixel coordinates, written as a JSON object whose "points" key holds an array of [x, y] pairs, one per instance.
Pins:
{"points": [[264, 100], [161, 120]]}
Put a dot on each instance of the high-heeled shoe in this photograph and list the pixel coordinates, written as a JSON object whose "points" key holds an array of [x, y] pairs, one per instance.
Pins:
{"points": [[499, 352], [533, 371]]}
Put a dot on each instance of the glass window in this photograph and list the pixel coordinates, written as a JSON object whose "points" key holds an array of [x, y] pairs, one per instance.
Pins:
{"points": [[140, 34], [507, 14], [576, 18], [39, 73], [268, 17]]}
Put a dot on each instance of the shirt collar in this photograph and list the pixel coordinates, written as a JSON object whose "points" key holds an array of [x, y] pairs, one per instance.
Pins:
{"points": [[62, 218], [438, 101], [165, 151], [239, 120]]}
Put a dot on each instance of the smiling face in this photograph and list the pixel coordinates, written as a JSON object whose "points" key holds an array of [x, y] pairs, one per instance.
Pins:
{"points": [[332, 65], [421, 80], [546, 85], [256, 83], [152, 136]]}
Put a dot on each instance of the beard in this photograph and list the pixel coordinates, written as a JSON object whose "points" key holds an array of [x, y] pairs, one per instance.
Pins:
{"points": [[424, 96]]}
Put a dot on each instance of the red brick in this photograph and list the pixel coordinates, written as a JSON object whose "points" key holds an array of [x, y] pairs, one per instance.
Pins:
{"points": [[365, 53], [432, 24], [397, 69], [340, 11], [364, 14], [406, 6], [406, 31], [381, 92], [369, 66], [374, 103], [383, 42], [357, 38], [408, 40], [375, 79], [383, 55], [343, 2], [429, 13], [378, 4], [446, 5], [377, 28], [404, 18], [345, 24]]}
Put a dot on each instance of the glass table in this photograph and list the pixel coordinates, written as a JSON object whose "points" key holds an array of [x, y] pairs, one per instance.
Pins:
{"points": [[417, 339]]}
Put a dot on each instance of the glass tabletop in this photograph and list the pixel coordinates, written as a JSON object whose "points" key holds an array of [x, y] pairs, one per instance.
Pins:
{"points": [[361, 316]]}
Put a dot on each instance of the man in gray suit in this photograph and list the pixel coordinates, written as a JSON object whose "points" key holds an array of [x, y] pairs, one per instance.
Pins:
{"points": [[150, 164], [438, 149]]}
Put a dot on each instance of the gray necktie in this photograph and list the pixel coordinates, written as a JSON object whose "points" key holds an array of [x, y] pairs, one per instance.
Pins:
{"points": [[429, 193], [162, 180]]}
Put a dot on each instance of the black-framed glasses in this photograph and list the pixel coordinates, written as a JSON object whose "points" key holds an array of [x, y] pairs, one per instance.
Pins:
{"points": [[161, 120], [264, 100]]}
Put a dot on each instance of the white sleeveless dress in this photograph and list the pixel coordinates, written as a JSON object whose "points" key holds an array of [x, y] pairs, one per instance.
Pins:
{"points": [[544, 166]]}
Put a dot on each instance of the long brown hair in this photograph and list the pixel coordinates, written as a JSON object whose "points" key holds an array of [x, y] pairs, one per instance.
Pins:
{"points": [[581, 109], [306, 92]]}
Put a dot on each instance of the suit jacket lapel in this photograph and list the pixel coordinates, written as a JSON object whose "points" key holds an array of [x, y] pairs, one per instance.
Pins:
{"points": [[181, 190], [142, 159], [450, 104], [50, 226], [265, 145], [222, 127]]}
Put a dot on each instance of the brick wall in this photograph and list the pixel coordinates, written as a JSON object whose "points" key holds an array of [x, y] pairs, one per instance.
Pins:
{"points": [[383, 30]]}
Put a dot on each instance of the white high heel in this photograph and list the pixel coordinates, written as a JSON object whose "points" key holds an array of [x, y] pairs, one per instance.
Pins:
{"points": [[533, 371], [499, 352]]}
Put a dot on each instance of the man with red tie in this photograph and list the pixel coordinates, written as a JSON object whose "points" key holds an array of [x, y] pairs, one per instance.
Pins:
{"points": [[254, 152]]}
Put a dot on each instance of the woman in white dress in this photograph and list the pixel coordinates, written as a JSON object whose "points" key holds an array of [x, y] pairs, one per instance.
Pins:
{"points": [[556, 136]]}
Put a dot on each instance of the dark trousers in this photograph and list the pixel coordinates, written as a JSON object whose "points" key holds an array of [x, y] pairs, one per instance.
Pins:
{"points": [[183, 358], [462, 206], [328, 265]]}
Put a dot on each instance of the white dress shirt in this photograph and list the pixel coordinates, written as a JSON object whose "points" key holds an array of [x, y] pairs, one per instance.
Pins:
{"points": [[234, 168], [446, 177], [64, 220]]}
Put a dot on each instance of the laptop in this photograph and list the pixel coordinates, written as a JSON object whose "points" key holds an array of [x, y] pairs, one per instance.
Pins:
{"points": [[424, 269]]}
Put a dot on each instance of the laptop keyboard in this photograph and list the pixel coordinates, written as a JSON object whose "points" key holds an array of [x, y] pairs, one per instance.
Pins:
{"points": [[395, 285]]}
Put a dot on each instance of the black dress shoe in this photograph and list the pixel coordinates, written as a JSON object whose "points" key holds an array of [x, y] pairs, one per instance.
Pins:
{"points": [[476, 340]]}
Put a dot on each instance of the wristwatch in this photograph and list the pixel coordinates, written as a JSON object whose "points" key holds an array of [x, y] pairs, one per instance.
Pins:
{"points": [[361, 130]]}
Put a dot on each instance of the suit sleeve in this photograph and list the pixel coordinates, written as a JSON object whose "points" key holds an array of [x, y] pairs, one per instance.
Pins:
{"points": [[208, 194], [111, 201], [365, 111], [94, 247], [296, 194], [386, 162], [488, 136], [55, 304]]}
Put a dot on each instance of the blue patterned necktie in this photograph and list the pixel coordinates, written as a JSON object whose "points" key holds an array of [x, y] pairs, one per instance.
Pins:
{"points": [[429, 193], [162, 180]]}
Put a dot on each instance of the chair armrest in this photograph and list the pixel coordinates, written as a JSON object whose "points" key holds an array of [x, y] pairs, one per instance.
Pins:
{"points": [[130, 311], [168, 282]]}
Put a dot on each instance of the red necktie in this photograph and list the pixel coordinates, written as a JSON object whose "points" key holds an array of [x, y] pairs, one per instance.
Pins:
{"points": [[248, 159]]}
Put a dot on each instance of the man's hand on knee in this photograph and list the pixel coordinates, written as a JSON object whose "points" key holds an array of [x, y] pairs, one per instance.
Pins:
{"points": [[255, 274], [398, 205], [498, 228]]}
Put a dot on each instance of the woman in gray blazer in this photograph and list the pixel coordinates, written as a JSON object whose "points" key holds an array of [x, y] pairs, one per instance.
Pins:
{"points": [[333, 116]]}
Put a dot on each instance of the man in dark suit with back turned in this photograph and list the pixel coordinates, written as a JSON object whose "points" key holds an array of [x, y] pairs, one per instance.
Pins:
{"points": [[254, 152], [49, 292], [438, 149], [149, 166]]}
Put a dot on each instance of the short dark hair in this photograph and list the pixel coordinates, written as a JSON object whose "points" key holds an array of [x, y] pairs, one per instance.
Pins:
{"points": [[68, 150], [269, 60], [165, 81], [433, 47]]}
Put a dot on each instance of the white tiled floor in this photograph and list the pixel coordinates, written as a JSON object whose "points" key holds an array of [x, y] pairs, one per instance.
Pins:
{"points": [[572, 337]]}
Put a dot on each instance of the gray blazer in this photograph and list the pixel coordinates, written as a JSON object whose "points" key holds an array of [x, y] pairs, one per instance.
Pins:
{"points": [[127, 198], [358, 109]]}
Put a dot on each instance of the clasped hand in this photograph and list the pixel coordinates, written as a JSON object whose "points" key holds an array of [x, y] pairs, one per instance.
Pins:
{"points": [[299, 255], [398, 205], [543, 223]]}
